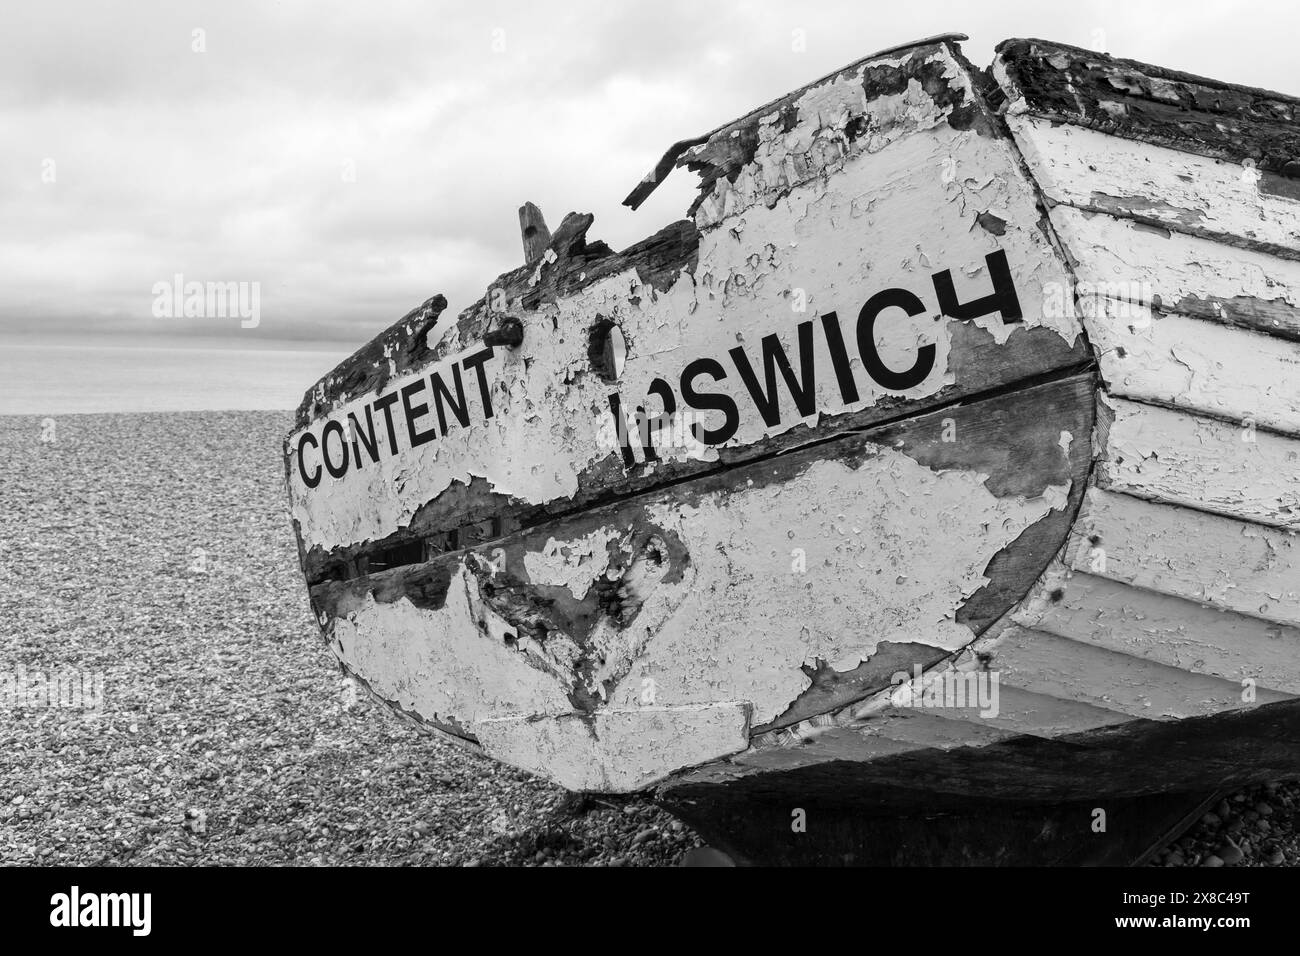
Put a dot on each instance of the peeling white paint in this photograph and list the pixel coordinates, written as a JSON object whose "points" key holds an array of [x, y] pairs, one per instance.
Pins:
{"points": [[838, 235], [889, 549], [818, 145], [1092, 170], [1231, 469], [450, 663], [1174, 267], [617, 751], [572, 564], [1239, 566], [747, 620], [736, 627], [1204, 367], [1164, 605]]}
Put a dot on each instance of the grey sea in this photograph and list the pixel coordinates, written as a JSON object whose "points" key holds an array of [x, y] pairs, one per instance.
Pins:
{"points": [[61, 379]]}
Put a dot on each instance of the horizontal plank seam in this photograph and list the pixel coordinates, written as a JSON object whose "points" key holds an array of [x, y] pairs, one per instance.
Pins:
{"points": [[1071, 547], [1144, 661], [1187, 507], [1150, 660], [1059, 374], [1238, 242], [947, 713], [1193, 411]]}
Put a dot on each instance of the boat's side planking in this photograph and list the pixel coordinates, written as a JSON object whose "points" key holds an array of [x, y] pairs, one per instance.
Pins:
{"points": [[1209, 198], [1170, 194], [1229, 468], [1197, 277], [1240, 376], [1183, 633], [1179, 592]]}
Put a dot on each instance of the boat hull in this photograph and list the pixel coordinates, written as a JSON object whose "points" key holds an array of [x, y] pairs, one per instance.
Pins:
{"points": [[946, 452]]}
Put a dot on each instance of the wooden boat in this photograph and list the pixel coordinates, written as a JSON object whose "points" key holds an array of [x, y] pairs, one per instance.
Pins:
{"points": [[942, 465]]}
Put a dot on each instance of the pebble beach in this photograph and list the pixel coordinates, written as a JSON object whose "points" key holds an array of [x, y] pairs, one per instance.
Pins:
{"points": [[152, 552]]}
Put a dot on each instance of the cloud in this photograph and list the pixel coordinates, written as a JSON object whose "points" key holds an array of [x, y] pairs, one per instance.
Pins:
{"points": [[355, 159]]}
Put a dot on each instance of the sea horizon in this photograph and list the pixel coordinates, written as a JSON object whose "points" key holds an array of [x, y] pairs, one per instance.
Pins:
{"points": [[58, 377]]}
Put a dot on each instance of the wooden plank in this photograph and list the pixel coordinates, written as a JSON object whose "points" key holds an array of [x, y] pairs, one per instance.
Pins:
{"points": [[1013, 453], [1150, 103], [1238, 566], [888, 733], [1180, 273], [931, 729], [1152, 184], [1058, 667], [578, 595], [1204, 367], [1177, 458], [391, 503], [1021, 711], [532, 230], [927, 63], [1005, 709], [848, 744], [1243, 746], [1188, 635]]}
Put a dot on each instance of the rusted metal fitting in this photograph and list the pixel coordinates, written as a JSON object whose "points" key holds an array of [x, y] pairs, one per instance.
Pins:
{"points": [[509, 333]]}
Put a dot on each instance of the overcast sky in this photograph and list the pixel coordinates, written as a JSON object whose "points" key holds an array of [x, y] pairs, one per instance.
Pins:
{"points": [[127, 156]]}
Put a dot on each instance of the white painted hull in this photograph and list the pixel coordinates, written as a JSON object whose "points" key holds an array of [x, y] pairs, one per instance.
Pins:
{"points": [[1086, 507]]}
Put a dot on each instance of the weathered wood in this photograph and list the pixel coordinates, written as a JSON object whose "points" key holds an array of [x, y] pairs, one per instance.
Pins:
{"points": [[898, 729], [656, 261], [1054, 425], [990, 489], [852, 431], [551, 445], [1138, 756], [830, 688], [659, 260], [1037, 715], [1184, 274], [890, 734], [928, 832], [1238, 566], [1204, 367], [721, 152], [532, 230], [1054, 666], [978, 363], [1180, 633], [1204, 463], [617, 750], [1162, 187], [1150, 103], [836, 744]]}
